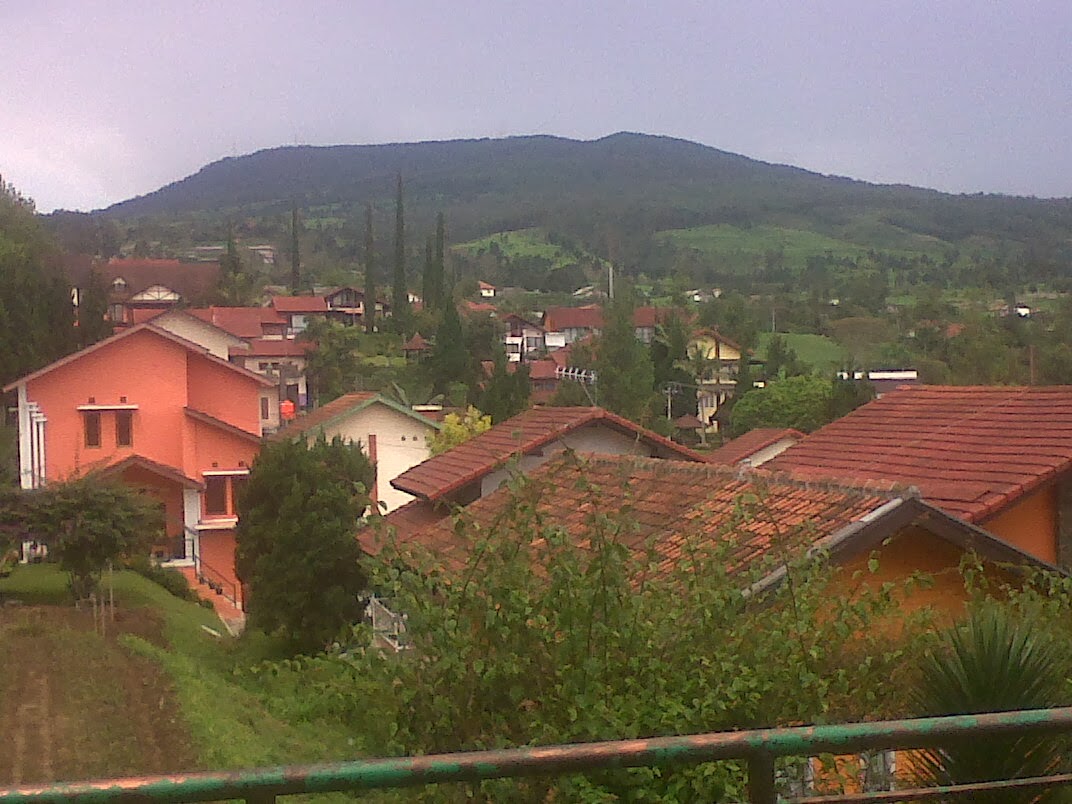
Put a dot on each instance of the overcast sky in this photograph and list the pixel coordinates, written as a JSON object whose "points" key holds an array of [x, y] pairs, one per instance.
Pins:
{"points": [[102, 101]]}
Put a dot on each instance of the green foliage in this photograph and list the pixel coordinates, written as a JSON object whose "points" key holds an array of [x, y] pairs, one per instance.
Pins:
{"points": [[335, 366], [802, 402], [458, 429], [625, 374], [539, 639], [672, 364], [370, 273], [400, 312], [36, 315], [239, 285], [90, 522], [782, 360], [167, 577], [93, 324], [506, 393], [996, 661], [295, 540], [449, 361]]}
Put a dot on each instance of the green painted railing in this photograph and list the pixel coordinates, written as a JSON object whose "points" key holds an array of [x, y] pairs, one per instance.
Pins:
{"points": [[758, 748]]}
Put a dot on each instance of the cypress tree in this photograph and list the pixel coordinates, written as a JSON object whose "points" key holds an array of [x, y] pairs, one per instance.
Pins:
{"points": [[295, 256], [428, 280], [400, 295], [439, 273], [370, 274]]}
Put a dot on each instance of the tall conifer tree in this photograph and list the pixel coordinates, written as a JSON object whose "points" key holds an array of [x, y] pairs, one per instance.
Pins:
{"points": [[439, 273], [400, 294], [370, 273], [295, 255], [428, 280]]}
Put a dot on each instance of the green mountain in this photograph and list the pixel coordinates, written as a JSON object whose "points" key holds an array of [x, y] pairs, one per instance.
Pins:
{"points": [[636, 198]]}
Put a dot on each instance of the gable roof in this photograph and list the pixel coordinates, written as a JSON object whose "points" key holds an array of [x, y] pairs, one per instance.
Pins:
{"points": [[347, 405], [153, 467], [191, 280], [756, 514], [750, 443], [272, 347], [159, 318], [971, 450], [219, 424], [300, 304], [196, 348], [524, 433], [590, 316], [244, 322]]}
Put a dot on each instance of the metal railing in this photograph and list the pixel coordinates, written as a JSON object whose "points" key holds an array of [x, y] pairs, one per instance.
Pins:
{"points": [[216, 580], [758, 748]]}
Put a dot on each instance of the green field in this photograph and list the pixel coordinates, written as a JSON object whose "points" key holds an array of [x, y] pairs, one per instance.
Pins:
{"points": [[818, 351], [524, 243], [796, 245]]}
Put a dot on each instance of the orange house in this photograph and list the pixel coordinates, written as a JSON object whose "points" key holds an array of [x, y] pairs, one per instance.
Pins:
{"points": [[997, 457], [162, 413]]}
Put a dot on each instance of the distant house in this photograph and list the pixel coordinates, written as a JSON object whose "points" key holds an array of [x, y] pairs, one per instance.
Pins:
{"points": [[244, 322], [297, 311], [999, 457], [281, 360], [139, 285], [416, 347], [720, 358], [575, 323], [487, 290], [522, 339], [161, 413], [347, 305], [394, 437]]}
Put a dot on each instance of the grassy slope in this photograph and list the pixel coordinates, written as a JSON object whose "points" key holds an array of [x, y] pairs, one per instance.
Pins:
{"points": [[818, 351], [797, 244], [522, 243], [236, 719]]}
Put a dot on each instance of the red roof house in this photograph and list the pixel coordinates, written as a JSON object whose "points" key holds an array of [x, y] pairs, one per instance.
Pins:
{"points": [[160, 412], [756, 446], [998, 457]]}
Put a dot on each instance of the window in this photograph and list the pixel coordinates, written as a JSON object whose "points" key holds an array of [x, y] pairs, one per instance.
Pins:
{"points": [[91, 420], [265, 407], [216, 495], [124, 428]]}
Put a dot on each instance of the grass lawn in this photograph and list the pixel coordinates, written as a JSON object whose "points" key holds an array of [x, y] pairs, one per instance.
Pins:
{"points": [[231, 716], [818, 351], [522, 243]]}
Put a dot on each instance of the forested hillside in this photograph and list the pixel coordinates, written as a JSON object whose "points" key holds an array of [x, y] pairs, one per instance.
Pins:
{"points": [[654, 204]]}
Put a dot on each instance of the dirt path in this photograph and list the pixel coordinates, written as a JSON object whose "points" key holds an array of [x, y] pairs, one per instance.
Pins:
{"points": [[75, 705]]}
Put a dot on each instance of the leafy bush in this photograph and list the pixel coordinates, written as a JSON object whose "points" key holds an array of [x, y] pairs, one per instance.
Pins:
{"points": [[168, 577]]}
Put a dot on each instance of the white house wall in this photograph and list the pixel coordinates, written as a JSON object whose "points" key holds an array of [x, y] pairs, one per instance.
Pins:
{"points": [[401, 444], [191, 329]]}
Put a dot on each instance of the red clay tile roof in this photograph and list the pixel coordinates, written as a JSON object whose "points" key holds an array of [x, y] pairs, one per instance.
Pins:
{"points": [[670, 501], [273, 347], [416, 344], [244, 322], [193, 281], [970, 450], [479, 307], [753, 441], [528, 431], [556, 319], [299, 304], [542, 369]]}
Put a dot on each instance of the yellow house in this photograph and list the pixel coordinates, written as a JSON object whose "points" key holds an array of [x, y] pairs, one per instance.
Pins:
{"points": [[715, 358]]}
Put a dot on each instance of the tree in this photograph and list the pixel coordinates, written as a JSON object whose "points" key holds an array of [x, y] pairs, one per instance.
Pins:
{"points": [[625, 375], [333, 367], [295, 252], [399, 290], [370, 274], [801, 402], [449, 362], [994, 662], [93, 324], [428, 278], [670, 357], [295, 546], [439, 273], [91, 521], [506, 393], [458, 429]]}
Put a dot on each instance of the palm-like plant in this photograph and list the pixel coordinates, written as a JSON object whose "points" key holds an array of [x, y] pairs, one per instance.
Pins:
{"points": [[996, 661]]}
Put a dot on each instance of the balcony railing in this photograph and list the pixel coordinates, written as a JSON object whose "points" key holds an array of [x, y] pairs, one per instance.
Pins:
{"points": [[758, 748]]}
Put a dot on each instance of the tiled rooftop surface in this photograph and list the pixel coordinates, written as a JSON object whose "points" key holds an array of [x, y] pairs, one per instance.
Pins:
{"points": [[970, 450], [324, 413], [671, 502], [274, 347], [528, 431], [753, 441], [300, 304], [245, 322]]}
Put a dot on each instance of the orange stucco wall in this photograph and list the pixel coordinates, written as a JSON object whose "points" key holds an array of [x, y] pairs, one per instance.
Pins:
{"points": [[239, 406], [217, 553], [914, 550], [217, 449], [1030, 524], [170, 494], [148, 370]]}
